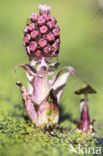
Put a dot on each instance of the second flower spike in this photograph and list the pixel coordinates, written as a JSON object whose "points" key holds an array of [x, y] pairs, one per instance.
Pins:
{"points": [[85, 124]]}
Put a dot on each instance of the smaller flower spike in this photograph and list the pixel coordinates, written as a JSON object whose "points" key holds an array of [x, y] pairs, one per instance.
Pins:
{"points": [[85, 125]]}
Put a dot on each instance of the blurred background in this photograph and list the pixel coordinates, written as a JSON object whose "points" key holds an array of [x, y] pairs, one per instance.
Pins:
{"points": [[81, 25]]}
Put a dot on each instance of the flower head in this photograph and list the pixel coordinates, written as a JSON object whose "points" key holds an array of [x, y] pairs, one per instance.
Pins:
{"points": [[41, 33]]}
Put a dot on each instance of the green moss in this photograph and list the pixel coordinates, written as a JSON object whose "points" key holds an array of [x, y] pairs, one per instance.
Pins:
{"points": [[18, 133]]}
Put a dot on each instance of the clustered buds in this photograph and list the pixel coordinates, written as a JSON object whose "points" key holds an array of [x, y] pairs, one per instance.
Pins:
{"points": [[42, 35]]}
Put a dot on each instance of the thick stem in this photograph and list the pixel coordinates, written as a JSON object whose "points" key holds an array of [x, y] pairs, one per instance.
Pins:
{"points": [[40, 86], [48, 111], [85, 110], [85, 119]]}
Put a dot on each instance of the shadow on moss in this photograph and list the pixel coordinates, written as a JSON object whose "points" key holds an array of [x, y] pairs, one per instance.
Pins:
{"points": [[64, 116]]}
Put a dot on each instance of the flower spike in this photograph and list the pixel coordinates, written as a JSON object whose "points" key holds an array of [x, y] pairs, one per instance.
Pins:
{"points": [[45, 87]]}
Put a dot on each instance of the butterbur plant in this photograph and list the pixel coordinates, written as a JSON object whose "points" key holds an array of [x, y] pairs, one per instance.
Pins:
{"points": [[85, 124], [45, 83]]}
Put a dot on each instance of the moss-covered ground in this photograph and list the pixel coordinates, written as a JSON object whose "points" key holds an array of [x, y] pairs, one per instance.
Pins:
{"points": [[81, 24]]}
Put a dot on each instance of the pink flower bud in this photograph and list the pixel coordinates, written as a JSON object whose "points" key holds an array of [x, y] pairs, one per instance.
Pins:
{"points": [[58, 41], [47, 49], [27, 38], [41, 20], [31, 26], [53, 19], [43, 29], [47, 17], [50, 37], [34, 34], [33, 46], [25, 30], [38, 53], [34, 17], [56, 32], [42, 42], [55, 47], [51, 24]]}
